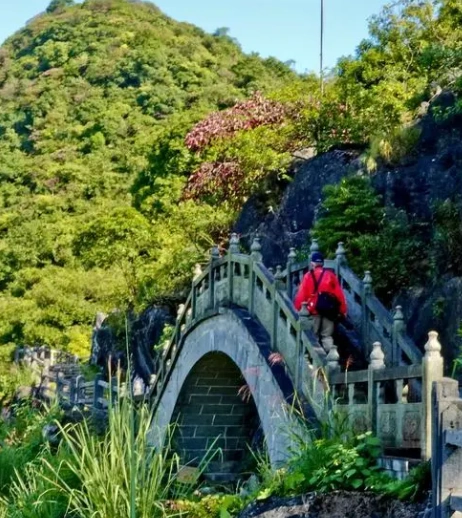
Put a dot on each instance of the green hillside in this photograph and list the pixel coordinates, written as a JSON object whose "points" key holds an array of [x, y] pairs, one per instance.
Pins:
{"points": [[89, 93]]}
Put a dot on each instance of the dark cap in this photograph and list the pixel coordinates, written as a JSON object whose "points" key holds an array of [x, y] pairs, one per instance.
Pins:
{"points": [[317, 257]]}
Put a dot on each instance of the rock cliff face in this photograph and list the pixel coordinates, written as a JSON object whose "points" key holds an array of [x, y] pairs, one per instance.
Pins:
{"points": [[290, 223], [337, 504], [145, 331], [432, 174]]}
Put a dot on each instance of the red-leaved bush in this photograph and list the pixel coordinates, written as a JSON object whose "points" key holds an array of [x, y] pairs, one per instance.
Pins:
{"points": [[244, 115], [223, 178]]}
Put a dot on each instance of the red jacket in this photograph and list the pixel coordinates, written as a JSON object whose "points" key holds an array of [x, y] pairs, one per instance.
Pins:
{"points": [[329, 283]]}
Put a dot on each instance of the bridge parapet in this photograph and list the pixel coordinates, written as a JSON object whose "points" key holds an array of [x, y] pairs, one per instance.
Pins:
{"points": [[393, 402]]}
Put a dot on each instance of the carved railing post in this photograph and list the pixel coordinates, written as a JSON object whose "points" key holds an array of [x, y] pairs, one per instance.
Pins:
{"points": [[304, 317], [398, 329], [255, 250], [376, 362], [314, 247], [214, 256], [197, 272], [367, 291], [255, 257], [333, 360], [279, 278], [432, 370], [340, 257], [234, 248], [446, 459], [290, 262], [234, 244]]}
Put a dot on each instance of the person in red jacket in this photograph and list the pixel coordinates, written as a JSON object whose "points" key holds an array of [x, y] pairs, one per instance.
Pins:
{"points": [[308, 292]]}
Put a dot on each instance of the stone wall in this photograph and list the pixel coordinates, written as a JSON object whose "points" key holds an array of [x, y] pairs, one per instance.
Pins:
{"points": [[215, 413]]}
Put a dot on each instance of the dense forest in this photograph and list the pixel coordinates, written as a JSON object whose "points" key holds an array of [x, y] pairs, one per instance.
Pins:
{"points": [[95, 100], [129, 142]]}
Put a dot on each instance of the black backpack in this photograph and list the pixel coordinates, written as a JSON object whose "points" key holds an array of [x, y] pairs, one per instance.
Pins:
{"points": [[327, 304]]}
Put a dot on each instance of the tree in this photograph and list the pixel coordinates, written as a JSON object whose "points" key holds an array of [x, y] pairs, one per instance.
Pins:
{"points": [[57, 5]]}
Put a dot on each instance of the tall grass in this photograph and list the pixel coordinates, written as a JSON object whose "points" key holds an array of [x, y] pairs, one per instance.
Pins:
{"points": [[121, 475]]}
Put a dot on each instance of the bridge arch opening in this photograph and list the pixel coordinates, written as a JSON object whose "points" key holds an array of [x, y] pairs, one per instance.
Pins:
{"points": [[215, 409]]}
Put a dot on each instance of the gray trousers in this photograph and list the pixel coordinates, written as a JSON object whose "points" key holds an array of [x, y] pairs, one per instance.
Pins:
{"points": [[323, 328]]}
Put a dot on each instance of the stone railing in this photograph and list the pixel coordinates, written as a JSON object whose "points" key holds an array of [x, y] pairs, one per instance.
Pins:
{"points": [[395, 402], [242, 280], [368, 314], [447, 450], [43, 357], [76, 392]]}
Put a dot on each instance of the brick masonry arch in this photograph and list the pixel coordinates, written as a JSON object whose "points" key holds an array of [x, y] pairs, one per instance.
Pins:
{"points": [[241, 339], [215, 413]]}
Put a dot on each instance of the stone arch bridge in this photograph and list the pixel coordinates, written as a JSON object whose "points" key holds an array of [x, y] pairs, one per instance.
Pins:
{"points": [[240, 356]]}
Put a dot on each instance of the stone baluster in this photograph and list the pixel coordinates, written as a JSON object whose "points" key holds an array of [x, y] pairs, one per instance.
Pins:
{"points": [[214, 256], [367, 283], [197, 271], [179, 311], [340, 256], [314, 247], [234, 244], [234, 248], [255, 257], [333, 360], [432, 370], [367, 291], [446, 458], [304, 317], [376, 363], [290, 262], [397, 330], [279, 278], [255, 249], [377, 357]]}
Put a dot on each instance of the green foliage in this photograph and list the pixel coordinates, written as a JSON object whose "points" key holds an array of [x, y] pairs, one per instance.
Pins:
{"points": [[58, 4], [349, 209], [448, 236], [21, 441], [211, 506], [119, 475], [386, 243], [96, 99], [391, 149], [339, 460]]}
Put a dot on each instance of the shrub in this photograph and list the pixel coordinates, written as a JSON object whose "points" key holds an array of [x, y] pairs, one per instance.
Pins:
{"points": [[392, 148], [381, 240], [120, 475]]}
